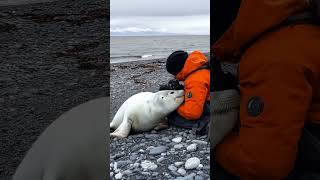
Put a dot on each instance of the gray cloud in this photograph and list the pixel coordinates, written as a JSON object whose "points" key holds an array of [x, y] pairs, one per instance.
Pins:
{"points": [[163, 17], [159, 7]]}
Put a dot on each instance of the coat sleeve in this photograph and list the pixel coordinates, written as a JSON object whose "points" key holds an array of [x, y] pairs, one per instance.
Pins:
{"points": [[266, 145], [195, 96]]}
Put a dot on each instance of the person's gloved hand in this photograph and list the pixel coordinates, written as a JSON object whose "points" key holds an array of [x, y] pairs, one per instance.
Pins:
{"points": [[226, 81], [172, 85], [221, 80]]}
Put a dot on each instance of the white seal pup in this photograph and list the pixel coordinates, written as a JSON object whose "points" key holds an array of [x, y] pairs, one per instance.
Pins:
{"points": [[73, 147], [144, 111]]}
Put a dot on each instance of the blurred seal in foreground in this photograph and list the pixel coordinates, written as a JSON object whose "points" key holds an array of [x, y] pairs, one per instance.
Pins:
{"points": [[73, 147]]}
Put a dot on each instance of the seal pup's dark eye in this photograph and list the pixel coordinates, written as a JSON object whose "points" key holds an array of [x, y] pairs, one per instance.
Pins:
{"points": [[172, 92], [162, 97]]}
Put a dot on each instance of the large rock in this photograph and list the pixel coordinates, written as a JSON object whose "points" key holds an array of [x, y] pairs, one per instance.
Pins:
{"points": [[192, 163]]}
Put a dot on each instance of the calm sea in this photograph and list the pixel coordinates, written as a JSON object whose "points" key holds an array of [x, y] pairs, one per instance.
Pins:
{"points": [[134, 48]]}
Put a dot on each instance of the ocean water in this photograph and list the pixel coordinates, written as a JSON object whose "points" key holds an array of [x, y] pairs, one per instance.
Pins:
{"points": [[135, 48]]}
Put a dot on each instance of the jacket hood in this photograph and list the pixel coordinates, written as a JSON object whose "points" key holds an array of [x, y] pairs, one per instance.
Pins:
{"points": [[254, 17], [195, 60]]}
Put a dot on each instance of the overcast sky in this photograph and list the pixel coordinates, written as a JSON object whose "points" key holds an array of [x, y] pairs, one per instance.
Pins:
{"points": [[160, 17]]}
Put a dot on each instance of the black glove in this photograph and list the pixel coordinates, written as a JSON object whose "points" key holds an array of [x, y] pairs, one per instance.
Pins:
{"points": [[220, 80], [172, 85]]}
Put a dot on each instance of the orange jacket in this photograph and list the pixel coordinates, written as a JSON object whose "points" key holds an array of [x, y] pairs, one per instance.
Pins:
{"points": [[196, 86], [282, 68]]}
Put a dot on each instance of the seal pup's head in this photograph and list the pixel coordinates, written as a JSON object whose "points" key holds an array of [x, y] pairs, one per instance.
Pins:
{"points": [[169, 100]]}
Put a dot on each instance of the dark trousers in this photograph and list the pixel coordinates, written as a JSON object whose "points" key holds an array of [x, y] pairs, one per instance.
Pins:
{"points": [[175, 119]]}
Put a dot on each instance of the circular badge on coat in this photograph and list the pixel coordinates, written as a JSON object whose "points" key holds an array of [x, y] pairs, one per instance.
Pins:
{"points": [[189, 95], [255, 106]]}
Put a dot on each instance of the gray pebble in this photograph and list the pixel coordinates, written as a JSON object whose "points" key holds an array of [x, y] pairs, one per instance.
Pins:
{"points": [[127, 172], [174, 173], [118, 176], [160, 159], [200, 167], [192, 147], [198, 178], [182, 172], [155, 174], [133, 156], [177, 139], [146, 173], [177, 164], [151, 136], [148, 165], [121, 164], [178, 146], [190, 176], [192, 163], [172, 168], [165, 139], [157, 150], [117, 170], [200, 142], [206, 168], [136, 165]]}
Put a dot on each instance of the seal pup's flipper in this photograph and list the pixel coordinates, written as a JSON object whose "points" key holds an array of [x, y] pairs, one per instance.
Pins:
{"points": [[124, 129], [162, 125]]}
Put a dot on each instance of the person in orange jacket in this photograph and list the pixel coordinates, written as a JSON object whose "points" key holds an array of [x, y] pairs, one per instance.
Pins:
{"points": [[279, 75], [193, 70]]}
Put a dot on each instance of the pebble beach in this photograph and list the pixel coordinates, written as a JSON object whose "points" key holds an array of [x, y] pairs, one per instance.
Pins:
{"points": [[172, 153]]}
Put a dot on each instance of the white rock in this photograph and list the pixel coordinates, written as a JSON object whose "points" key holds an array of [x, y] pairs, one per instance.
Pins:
{"points": [[192, 147], [172, 168], [178, 146], [136, 165], [199, 142], [177, 164], [192, 163], [127, 172], [115, 166], [177, 139], [182, 172], [148, 165], [200, 172], [160, 159], [118, 176], [141, 150], [150, 147]]}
